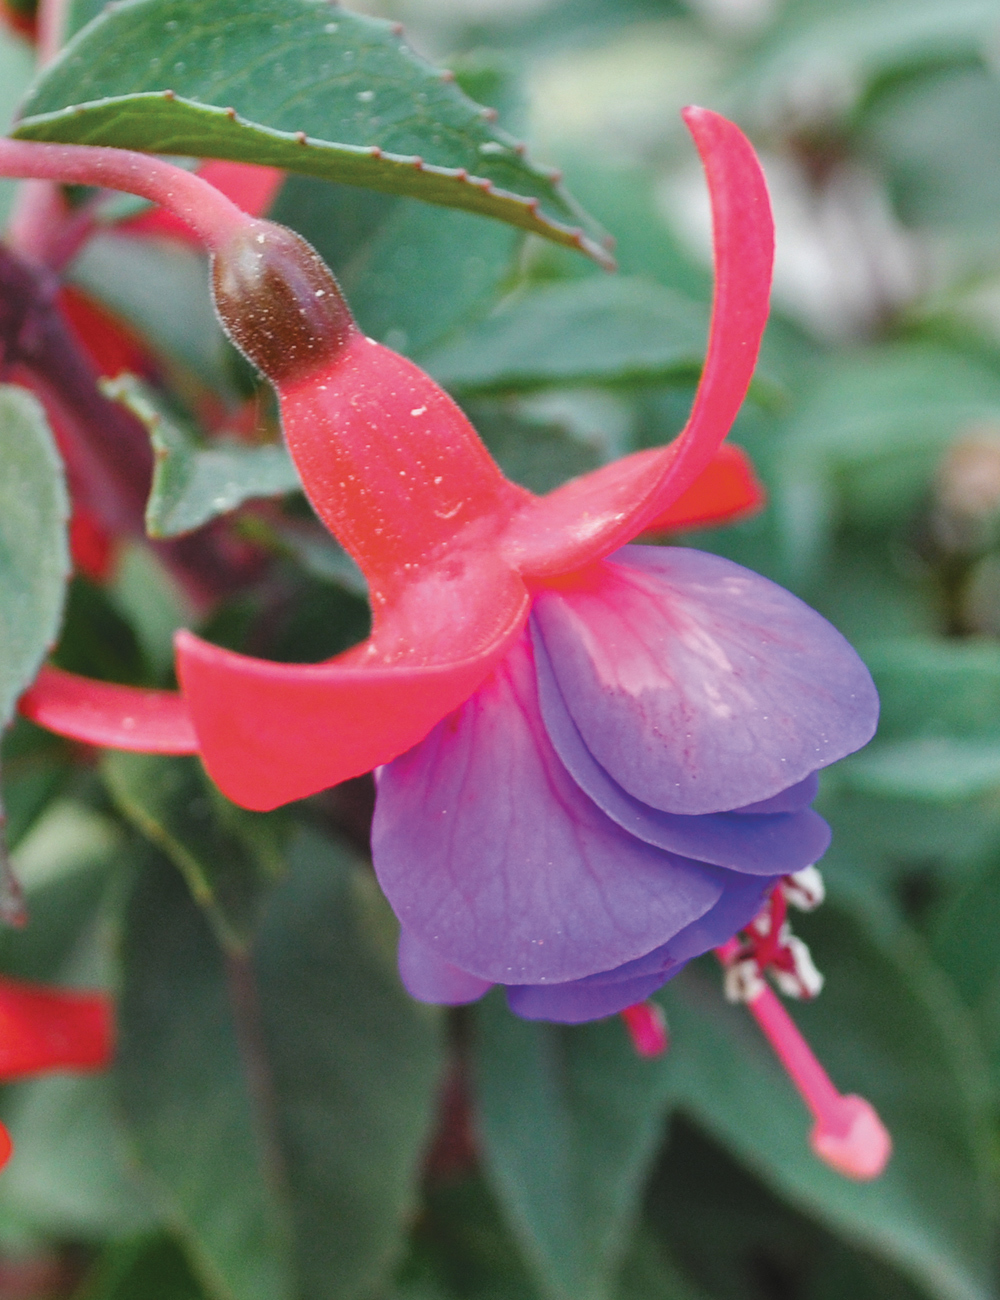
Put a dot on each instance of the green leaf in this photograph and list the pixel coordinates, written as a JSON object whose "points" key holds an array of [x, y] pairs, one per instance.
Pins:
{"points": [[355, 1065], [594, 330], [151, 1267], [426, 272], [246, 80], [886, 1027], [861, 39], [190, 1106], [461, 1246], [537, 455], [737, 1238], [160, 287], [939, 137], [193, 480], [282, 1102], [934, 767], [937, 736], [71, 1174], [864, 439], [963, 938], [34, 556], [229, 857], [570, 1119]]}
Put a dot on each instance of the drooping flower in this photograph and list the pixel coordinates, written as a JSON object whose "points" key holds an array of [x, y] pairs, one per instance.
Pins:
{"points": [[595, 759]]}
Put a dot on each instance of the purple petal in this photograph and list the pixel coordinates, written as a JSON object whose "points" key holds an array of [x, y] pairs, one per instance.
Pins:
{"points": [[493, 857], [773, 845], [699, 686], [428, 978], [575, 1002], [791, 800], [742, 898], [611, 991]]}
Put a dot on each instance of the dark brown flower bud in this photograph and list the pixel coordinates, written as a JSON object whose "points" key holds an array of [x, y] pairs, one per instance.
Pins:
{"points": [[278, 301]]}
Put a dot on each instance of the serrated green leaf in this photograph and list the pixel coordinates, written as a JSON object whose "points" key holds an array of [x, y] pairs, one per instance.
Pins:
{"points": [[34, 556], [355, 1065], [229, 857], [885, 1027], [570, 1119], [191, 1109], [193, 480], [372, 113], [594, 330]]}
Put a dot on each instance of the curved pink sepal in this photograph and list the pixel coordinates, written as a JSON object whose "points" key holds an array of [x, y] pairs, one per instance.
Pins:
{"points": [[591, 516], [270, 732], [117, 717]]}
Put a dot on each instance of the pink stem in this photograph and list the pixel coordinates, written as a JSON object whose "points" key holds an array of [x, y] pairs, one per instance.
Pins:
{"points": [[212, 216], [848, 1134]]}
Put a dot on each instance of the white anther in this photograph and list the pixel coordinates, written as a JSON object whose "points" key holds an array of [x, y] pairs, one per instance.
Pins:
{"points": [[804, 980], [742, 981], [804, 889]]}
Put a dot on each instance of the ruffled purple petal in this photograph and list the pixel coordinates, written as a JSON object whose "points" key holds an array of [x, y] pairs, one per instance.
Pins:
{"points": [[493, 858], [699, 686], [428, 978], [764, 845]]}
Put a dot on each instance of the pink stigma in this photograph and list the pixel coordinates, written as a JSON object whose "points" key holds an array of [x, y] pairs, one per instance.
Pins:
{"points": [[848, 1134], [647, 1028]]}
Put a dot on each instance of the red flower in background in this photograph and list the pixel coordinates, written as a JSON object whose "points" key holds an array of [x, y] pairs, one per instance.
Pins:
{"points": [[45, 1029]]}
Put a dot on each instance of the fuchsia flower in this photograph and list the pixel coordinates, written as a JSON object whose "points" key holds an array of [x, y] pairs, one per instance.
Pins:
{"points": [[594, 759]]}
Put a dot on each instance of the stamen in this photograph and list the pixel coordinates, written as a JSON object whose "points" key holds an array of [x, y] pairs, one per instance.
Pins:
{"points": [[804, 889], [647, 1028], [848, 1134]]}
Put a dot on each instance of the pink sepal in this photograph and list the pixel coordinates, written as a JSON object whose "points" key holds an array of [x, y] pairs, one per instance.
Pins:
{"points": [[594, 515], [117, 717], [271, 732]]}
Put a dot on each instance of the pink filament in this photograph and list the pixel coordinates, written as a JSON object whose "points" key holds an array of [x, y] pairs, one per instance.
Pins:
{"points": [[848, 1134], [647, 1028]]}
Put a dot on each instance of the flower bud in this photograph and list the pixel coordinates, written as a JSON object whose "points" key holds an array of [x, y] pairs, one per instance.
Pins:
{"points": [[278, 301]]}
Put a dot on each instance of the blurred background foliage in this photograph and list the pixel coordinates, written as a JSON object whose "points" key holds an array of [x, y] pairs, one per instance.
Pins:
{"points": [[282, 1121]]}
